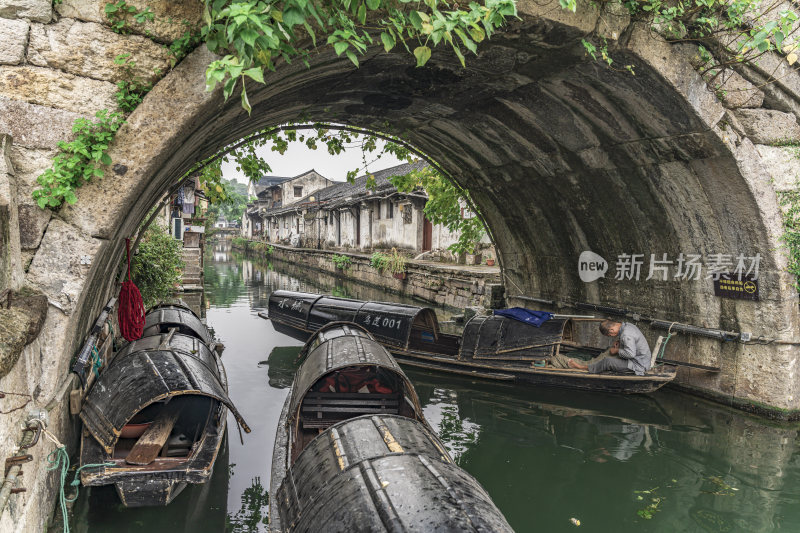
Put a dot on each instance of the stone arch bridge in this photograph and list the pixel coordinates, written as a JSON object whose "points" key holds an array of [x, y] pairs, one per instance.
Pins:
{"points": [[561, 154]]}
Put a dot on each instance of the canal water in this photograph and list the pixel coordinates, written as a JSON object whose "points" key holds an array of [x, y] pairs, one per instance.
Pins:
{"points": [[550, 459]]}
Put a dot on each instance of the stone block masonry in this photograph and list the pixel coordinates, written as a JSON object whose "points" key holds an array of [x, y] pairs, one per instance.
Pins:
{"points": [[56, 67], [441, 284], [13, 40]]}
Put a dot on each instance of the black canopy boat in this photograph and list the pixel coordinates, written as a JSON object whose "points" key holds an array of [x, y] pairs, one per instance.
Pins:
{"points": [[491, 347], [353, 451], [163, 317], [155, 417]]}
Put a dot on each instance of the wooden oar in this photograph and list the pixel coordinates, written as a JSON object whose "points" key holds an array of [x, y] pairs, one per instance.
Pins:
{"points": [[153, 439]]}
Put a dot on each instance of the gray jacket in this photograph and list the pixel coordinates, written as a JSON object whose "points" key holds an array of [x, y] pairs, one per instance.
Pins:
{"points": [[633, 347]]}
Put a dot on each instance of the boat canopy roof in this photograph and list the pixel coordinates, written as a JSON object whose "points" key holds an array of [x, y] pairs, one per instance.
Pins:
{"points": [[389, 323], [339, 346], [177, 302], [161, 318], [149, 370], [382, 473], [500, 337]]}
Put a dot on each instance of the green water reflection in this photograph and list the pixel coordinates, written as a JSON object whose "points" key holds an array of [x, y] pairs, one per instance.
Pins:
{"points": [[666, 462]]}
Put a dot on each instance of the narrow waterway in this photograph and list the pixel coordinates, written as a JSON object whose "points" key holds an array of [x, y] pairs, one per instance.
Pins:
{"points": [[662, 463]]}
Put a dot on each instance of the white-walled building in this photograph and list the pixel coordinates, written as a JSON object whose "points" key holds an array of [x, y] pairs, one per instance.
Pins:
{"points": [[353, 216], [273, 192]]}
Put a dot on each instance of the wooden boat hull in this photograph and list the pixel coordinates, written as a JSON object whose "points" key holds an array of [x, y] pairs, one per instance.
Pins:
{"points": [[566, 378], [156, 485], [516, 372], [148, 492], [353, 451], [165, 376], [280, 458]]}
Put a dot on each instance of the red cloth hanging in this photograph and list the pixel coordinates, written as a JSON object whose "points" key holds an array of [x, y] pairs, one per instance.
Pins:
{"points": [[131, 305]]}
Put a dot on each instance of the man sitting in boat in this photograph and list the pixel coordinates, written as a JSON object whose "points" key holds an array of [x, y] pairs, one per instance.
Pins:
{"points": [[630, 352]]}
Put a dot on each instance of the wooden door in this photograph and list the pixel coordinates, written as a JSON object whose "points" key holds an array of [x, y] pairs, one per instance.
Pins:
{"points": [[358, 226], [427, 234]]}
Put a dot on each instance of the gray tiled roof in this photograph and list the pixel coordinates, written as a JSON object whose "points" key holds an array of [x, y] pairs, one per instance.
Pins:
{"points": [[343, 193], [270, 181]]}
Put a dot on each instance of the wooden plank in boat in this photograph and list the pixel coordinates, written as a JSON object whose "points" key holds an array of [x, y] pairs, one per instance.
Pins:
{"points": [[153, 439], [310, 402], [352, 409]]}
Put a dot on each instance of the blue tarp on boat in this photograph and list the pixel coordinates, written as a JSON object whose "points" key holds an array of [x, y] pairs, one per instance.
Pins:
{"points": [[534, 318]]}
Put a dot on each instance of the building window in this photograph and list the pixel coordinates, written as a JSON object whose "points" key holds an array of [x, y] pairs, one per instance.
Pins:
{"points": [[331, 217], [389, 209], [378, 210], [407, 211], [298, 192]]}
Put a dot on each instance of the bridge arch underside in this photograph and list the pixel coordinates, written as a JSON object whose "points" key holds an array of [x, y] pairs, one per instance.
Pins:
{"points": [[561, 155]]}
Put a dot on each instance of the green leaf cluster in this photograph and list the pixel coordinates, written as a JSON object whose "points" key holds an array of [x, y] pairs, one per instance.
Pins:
{"points": [[119, 12], [157, 266], [255, 34], [342, 262], [378, 261], [231, 202], [130, 91], [180, 47], [790, 204], [727, 32], [78, 161]]}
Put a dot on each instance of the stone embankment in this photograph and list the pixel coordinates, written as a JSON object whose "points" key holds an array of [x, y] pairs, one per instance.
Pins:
{"points": [[449, 285]]}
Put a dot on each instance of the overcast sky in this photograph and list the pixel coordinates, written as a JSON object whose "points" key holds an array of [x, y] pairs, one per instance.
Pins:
{"points": [[298, 159]]}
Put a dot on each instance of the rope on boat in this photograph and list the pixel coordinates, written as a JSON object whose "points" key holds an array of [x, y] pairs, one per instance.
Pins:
{"points": [[664, 344], [58, 459], [97, 363]]}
